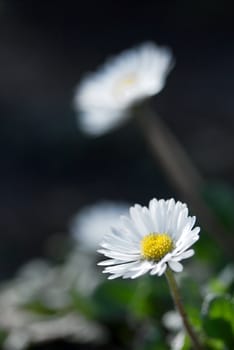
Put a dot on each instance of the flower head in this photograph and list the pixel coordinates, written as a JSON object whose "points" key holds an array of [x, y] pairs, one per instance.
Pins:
{"points": [[150, 240], [104, 98], [90, 225]]}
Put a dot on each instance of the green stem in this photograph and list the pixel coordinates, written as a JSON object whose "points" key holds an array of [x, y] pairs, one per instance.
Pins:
{"points": [[178, 304]]}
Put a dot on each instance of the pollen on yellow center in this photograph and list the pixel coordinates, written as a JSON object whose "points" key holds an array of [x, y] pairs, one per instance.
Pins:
{"points": [[156, 245]]}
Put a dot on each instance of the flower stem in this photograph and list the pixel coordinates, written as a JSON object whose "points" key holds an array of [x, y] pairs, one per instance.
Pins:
{"points": [[181, 172], [179, 305]]}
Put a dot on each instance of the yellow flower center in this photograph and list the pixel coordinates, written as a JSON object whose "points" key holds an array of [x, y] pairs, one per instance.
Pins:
{"points": [[125, 82], [156, 245]]}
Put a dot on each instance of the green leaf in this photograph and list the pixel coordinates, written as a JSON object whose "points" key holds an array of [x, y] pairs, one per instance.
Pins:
{"points": [[218, 319], [222, 307], [194, 316], [3, 336], [39, 308], [187, 343], [217, 328], [215, 344], [113, 297], [223, 283], [84, 305]]}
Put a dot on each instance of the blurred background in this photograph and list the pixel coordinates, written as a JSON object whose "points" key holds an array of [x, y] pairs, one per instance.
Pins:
{"points": [[49, 169]]}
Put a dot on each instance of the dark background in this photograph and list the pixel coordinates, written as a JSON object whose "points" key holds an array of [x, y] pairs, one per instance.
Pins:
{"points": [[49, 169]]}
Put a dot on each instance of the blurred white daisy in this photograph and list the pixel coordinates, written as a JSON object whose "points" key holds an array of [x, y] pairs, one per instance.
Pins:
{"points": [[174, 323], [92, 222], [103, 99], [24, 329], [177, 342], [150, 240], [172, 320], [79, 272]]}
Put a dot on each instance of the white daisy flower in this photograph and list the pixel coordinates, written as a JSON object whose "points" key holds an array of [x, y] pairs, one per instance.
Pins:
{"points": [[104, 98], [150, 240], [172, 320], [89, 226]]}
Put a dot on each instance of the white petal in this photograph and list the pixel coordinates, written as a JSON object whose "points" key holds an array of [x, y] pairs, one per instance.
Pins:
{"points": [[162, 269], [122, 268], [117, 255], [110, 262], [175, 266], [121, 248], [155, 270], [137, 218], [183, 245], [130, 227], [159, 268], [112, 277], [184, 255]]}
